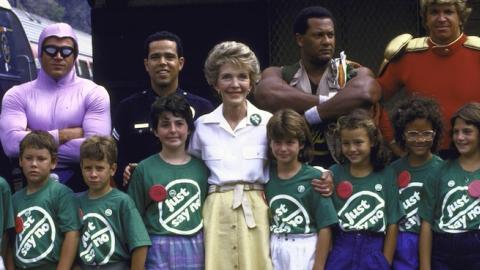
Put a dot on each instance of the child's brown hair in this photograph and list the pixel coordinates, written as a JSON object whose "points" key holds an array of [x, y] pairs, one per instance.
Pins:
{"points": [[39, 139], [99, 148], [360, 118], [288, 124]]}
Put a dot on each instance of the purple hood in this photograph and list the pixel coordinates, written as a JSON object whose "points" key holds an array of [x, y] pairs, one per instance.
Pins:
{"points": [[61, 30]]}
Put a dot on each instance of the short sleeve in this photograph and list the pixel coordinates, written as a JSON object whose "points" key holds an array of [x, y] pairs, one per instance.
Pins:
{"points": [[325, 213], [195, 146], [335, 169], [67, 210], [429, 195], [136, 189], [393, 206], [133, 227], [6, 207]]}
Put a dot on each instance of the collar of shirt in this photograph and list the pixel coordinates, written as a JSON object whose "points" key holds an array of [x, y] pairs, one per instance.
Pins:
{"points": [[255, 117], [448, 49], [151, 93]]}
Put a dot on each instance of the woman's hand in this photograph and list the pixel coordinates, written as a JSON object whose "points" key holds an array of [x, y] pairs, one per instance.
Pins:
{"points": [[324, 185]]}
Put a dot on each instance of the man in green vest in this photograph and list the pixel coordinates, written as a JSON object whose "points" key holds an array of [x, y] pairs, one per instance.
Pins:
{"points": [[319, 86]]}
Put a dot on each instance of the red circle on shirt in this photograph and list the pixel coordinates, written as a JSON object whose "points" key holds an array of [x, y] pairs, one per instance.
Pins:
{"points": [[403, 179], [474, 188], [344, 189], [18, 225], [157, 193]]}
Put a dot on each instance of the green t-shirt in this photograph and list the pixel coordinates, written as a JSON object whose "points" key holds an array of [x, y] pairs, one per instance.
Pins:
{"points": [[446, 203], [112, 228], [373, 203], [296, 208], [186, 185], [410, 195], [46, 215], [6, 209]]}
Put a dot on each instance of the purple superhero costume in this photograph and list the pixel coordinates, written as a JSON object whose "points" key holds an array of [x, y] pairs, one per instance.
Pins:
{"points": [[47, 104]]}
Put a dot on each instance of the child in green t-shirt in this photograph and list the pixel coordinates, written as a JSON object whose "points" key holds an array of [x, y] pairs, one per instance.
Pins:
{"points": [[46, 211], [6, 223], [418, 129], [301, 218], [366, 197], [450, 204], [169, 189], [113, 233]]}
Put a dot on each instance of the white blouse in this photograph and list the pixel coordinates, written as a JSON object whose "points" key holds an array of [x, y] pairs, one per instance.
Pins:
{"points": [[232, 155]]}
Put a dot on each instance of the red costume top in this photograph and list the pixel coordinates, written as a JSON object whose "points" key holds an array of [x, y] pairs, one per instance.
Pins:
{"points": [[450, 74]]}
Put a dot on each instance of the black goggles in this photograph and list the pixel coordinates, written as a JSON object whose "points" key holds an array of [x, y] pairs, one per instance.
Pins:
{"points": [[51, 50]]}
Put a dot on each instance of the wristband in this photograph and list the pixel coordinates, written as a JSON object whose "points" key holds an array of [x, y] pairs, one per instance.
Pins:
{"points": [[312, 116], [322, 99]]}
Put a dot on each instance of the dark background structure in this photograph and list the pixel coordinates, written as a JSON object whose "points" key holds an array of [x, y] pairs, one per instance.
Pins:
{"points": [[363, 29]]}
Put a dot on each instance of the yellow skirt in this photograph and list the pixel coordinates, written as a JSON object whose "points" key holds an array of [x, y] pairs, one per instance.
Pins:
{"points": [[229, 243]]}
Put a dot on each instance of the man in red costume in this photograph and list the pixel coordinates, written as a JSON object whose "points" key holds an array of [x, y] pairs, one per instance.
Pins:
{"points": [[444, 66]]}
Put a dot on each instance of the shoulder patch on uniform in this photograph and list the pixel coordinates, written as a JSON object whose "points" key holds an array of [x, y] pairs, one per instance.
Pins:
{"points": [[417, 44], [472, 42]]}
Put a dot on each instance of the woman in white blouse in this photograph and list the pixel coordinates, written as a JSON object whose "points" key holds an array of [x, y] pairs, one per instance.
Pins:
{"points": [[233, 144]]}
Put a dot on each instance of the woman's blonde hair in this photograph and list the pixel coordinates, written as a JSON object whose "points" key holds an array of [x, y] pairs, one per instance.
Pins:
{"points": [[235, 53]]}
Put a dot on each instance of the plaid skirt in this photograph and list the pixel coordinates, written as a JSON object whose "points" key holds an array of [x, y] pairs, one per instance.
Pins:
{"points": [[175, 252]]}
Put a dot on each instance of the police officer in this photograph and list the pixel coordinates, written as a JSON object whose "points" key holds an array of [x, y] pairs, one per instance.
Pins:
{"points": [[163, 63]]}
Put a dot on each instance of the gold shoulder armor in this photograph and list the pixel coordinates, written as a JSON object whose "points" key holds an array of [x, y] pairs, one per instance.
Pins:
{"points": [[393, 48], [397, 45], [472, 42], [417, 44]]}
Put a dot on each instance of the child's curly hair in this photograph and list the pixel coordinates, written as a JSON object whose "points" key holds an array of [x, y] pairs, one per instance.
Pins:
{"points": [[416, 107]]}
